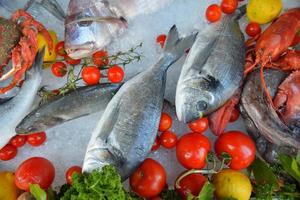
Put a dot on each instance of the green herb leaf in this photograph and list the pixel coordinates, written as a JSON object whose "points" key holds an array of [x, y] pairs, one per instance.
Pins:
{"points": [[168, 194], [207, 192], [37, 192], [298, 157], [290, 165]]}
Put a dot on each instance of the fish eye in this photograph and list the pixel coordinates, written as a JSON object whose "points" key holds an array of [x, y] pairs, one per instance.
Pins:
{"points": [[201, 105]]}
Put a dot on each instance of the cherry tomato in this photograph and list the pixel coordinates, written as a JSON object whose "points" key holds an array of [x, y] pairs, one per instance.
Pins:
{"points": [[229, 6], [70, 171], [235, 114], [253, 29], [35, 170], [91, 75], [8, 152], [18, 140], [199, 126], [156, 198], [36, 139], [161, 39], [72, 61], [165, 122], [115, 74], [100, 58], [156, 144], [168, 139], [190, 184], [59, 69], [149, 179], [213, 13], [192, 150], [60, 48], [239, 146]]}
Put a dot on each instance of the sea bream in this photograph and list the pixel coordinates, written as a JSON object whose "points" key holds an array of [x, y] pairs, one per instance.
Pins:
{"points": [[213, 70], [92, 24], [13, 111], [80, 102], [128, 126]]}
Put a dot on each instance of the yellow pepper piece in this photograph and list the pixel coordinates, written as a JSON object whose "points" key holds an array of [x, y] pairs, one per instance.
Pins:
{"points": [[8, 189]]}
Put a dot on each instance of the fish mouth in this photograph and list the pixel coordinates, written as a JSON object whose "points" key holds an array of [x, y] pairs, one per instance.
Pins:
{"points": [[80, 51], [22, 130]]}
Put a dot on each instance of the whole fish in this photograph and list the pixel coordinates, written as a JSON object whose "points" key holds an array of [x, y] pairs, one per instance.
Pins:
{"points": [[78, 103], [13, 111], [129, 125], [213, 70], [92, 24]]}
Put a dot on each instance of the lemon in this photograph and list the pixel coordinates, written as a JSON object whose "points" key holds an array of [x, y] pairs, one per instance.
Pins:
{"points": [[50, 56], [232, 184], [8, 189], [263, 11]]}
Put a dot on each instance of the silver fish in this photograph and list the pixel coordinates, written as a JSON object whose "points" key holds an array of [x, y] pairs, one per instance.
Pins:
{"points": [[13, 111], [83, 101], [90, 25], [129, 125], [213, 70]]}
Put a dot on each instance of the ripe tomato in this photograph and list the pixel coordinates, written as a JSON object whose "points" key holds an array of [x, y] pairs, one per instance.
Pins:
{"points": [[213, 13], [229, 6], [156, 144], [115, 74], [35, 170], [18, 140], [72, 61], [8, 152], [59, 69], [100, 58], [161, 39], [149, 179], [91, 75], [234, 115], [199, 126], [165, 122], [253, 29], [192, 150], [239, 146], [190, 184], [168, 139], [36, 139], [60, 48], [70, 171]]}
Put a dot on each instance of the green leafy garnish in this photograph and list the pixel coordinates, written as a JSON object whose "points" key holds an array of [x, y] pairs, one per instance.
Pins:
{"points": [[37, 192], [170, 194], [207, 192], [291, 166]]}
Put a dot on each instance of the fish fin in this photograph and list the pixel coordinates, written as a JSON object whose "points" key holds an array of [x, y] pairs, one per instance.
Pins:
{"points": [[37, 65], [51, 6]]}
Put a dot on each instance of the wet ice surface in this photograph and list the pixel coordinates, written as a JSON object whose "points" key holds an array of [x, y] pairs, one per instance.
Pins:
{"points": [[66, 144]]}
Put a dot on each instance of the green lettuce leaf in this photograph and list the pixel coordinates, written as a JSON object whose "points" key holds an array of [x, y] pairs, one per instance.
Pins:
{"points": [[290, 165]]}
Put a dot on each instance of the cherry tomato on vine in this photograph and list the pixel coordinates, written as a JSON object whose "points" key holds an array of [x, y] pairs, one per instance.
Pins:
{"points": [[35, 170], [59, 69], [91, 75], [36, 139], [213, 13], [200, 125], [253, 29], [70, 171], [239, 146], [165, 122], [8, 152], [100, 58], [149, 179], [115, 74], [192, 150], [156, 144], [60, 48], [18, 140], [235, 114], [161, 39], [168, 139], [72, 61], [229, 6]]}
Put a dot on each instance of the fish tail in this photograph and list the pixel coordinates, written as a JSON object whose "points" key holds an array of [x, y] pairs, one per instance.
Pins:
{"points": [[241, 11]]}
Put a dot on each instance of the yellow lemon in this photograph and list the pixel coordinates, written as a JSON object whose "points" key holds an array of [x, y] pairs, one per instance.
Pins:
{"points": [[263, 11], [232, 184], [8, 189], [50, 56]]}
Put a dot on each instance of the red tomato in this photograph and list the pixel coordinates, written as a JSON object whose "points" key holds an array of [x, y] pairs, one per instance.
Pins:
{"points": [[168, 139], [229, 6], [199, 126], [161, 39], [115, 74], [35, 170], [213, 13], [8, 152], [192, 150], [70, 171], [100, 58], [165, 122], [253, 29], [239, 146], [18, 140], [149, 179], [59, 69], [72, 61], [60, 48], [156, 198], [234, 115], [156, 144], [91, 75], [190, 184], [36, 139]]}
